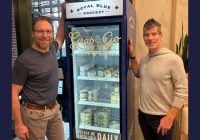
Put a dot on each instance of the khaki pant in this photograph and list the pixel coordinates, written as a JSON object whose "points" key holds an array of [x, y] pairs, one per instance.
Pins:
{"points": [[43, 123]]}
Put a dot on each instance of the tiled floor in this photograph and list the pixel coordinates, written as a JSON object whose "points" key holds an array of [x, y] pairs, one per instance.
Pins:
{"points": [[16, 138]]}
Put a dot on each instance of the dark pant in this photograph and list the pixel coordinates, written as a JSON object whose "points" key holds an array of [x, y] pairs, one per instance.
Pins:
{"points": [[149, 125]]}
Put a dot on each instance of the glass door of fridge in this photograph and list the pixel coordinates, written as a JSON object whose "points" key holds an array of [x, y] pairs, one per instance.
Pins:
{"points": [[95, 52]]}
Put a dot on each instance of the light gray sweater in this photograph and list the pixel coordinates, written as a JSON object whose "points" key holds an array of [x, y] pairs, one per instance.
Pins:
{"points": [[163, 82]]}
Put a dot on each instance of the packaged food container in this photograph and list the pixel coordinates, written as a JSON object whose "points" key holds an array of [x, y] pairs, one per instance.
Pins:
{"points": [[101, 118], [108, 72], [91, 73], [86, 117], [114, 98], [116, 73], [100, 73], [93, 95], [116, 89], [83, 68], [83, 73], [83, 95]]}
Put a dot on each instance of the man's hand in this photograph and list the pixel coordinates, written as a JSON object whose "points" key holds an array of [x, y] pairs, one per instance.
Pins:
{"points": [[167, 121], [165, 125], [62, 7], [130, 48], [22, 132]]}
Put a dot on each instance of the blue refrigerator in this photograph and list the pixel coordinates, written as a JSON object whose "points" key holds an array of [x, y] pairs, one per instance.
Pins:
{"points": [[99, 82]]}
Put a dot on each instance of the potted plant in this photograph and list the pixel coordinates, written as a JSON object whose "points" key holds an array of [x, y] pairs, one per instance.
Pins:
{"points": [[182, 49]]}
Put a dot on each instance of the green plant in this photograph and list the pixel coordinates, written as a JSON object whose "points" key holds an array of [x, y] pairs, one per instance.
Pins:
{"points": [[182, 49]]}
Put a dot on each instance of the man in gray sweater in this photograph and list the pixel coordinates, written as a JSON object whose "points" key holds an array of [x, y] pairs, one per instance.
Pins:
{"points": [[164, 85]]}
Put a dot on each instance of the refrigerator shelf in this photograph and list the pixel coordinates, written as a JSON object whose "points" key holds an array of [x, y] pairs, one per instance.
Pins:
{"points": [[100, 29], [98, 104], [100, 129], [111, 79], [101, 53]]}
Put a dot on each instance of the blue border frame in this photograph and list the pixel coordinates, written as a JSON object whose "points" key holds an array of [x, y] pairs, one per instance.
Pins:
{"points": [[5, 74]]}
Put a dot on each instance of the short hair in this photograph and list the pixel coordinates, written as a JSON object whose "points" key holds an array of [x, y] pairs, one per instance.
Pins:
{"points": [[150, 23], [41, 18]]}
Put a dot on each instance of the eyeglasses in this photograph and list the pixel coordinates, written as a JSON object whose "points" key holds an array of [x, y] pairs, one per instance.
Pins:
{"points": [[48, 32]]}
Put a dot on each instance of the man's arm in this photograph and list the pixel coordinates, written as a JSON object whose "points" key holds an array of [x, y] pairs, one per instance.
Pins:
{"points": [[134, 63], [16, 89], [60, 32], [20, 129], [180, 84]]}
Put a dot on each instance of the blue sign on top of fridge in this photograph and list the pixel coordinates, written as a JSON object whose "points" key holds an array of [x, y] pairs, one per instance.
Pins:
{"points": [[98, 8]]}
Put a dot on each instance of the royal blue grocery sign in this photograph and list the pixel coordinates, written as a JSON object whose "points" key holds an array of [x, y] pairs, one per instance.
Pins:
{"points": [[94, 8]]}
